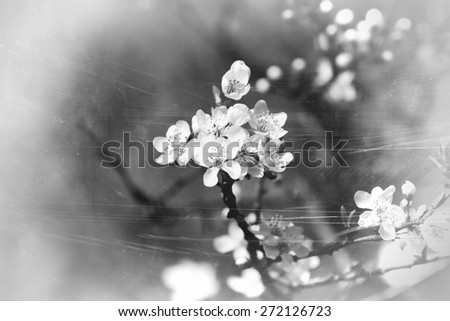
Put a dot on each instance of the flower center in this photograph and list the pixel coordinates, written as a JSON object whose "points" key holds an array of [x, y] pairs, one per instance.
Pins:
{"points": [[234, 86]]}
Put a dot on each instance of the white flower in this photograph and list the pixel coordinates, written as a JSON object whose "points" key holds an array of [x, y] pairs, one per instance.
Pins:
{"points": [[218, 154], [411, 241], [409, 189], [174, 146], [221, 120], [191, 281], [235, 81], [436, 233], [248, 156], [281, 238], [249, 283], [265, 123], [273, 159], [233, 242], [380, 211]]}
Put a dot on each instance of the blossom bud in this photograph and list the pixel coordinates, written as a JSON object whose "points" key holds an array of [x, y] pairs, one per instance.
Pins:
{"points": [[408, 189]]}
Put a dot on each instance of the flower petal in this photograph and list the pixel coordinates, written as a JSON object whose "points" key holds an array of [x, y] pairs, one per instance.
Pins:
{"points": [[387, 195], [183, 130], [232, 168], [160, 143], [280, 118], [387, 231], [368, 218], [300, 250], [363, 200], [397, 214], [210, 178], [195, 126], [241, 71], [237, 135], [260, 108], [272, 252], [224, 244], [376, 193], [238, 114]]}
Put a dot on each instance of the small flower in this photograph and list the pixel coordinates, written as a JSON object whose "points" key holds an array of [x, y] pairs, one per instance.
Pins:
{"points": [[190, 281], [233, 242], [248, 156], [265, 123], [281, 238], [218, 154], [249, 283], [409, 189], [380, 211], [273, 158], [221, 120], [174, 146], [436, 233], [411, 240], [235, 81]]}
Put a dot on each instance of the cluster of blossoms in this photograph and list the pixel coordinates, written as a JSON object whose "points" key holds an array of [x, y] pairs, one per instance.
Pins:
{"points": [[240, 141], [432, 233], [282, 239]]}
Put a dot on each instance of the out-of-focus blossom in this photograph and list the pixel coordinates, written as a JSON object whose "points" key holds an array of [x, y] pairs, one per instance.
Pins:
{"points": [[274, 72], [298, 64], [173, 146], [326, 6], [409, 189], [387, 55], [249, 283], [324, 72], [235, 81], [344, 17], [266, 123], [287, 14], [342, 89], [190, 281], [380, 211], [280, 238], [403, 24], [344, 59], [436, 233], [262, 85], [298, 274], [375, 18], [233, 242], [411, 240]]}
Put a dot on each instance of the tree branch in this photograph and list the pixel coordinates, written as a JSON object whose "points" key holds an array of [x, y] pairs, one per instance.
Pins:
{"points": [[369, 274]]}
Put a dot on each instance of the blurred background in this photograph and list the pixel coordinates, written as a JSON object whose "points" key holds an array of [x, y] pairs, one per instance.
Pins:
{"points": [[75, 74]]}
